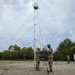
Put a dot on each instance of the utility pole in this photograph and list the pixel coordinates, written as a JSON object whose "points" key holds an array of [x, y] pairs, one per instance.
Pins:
{"points": [[35, 6]]}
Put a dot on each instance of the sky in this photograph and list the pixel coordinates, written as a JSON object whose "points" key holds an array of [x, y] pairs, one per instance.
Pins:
{"points": [[55, 21]]}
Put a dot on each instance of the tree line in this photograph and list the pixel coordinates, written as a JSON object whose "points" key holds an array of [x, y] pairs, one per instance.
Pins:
{"points": [[14, 52]]}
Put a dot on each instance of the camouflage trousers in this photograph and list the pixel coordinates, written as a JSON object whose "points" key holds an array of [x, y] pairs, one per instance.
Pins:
{"points": [[50, 63], [37, 64]]}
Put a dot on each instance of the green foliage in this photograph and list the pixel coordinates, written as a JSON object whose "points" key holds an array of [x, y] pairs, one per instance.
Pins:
{"points": [[5, 54], [15, 52], [0, 55], [56, 55], [67, 47], [28, 53]]}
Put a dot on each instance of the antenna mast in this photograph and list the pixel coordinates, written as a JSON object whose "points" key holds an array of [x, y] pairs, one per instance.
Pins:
{"points": [[35, 6]]}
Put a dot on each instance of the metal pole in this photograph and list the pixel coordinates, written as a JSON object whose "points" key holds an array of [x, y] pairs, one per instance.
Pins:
{"points": [[34, 39], [35, 6]]}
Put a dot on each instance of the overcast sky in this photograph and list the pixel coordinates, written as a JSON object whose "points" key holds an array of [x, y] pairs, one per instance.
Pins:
{"points": [[55, 21]]}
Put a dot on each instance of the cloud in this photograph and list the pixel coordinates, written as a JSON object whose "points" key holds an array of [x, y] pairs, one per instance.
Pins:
{"points": [[57, 22], [1, 29]]}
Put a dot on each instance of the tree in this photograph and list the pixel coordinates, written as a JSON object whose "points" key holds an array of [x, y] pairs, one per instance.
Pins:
{"points": [[11, 48], [29, 53], [5, 55], [66, 48], [0, 55], [56, 56]]}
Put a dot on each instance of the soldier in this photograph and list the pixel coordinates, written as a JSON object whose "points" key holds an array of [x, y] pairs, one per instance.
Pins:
{"points": [[38, 58], [68, 59], [50, 57]]}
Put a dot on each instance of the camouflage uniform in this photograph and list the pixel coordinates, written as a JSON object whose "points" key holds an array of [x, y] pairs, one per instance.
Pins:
{"points": [[37, 59], [68, 59], [50, 59]]}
